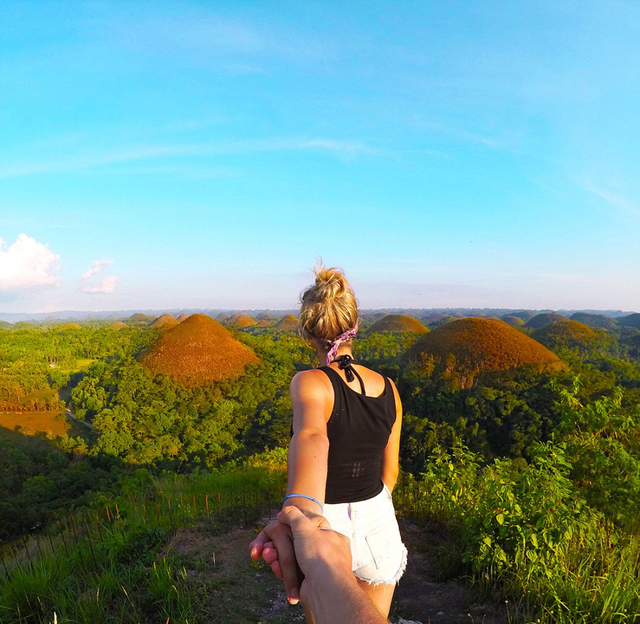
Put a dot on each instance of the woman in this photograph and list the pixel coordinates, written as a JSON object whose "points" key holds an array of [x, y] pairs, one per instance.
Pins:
{"points": [[343, 455]]}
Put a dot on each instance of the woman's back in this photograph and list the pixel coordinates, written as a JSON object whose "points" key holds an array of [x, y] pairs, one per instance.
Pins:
{"points": [[358, 431]]}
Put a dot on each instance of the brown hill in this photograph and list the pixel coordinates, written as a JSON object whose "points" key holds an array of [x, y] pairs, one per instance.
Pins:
{"points": [[525, 315], [466, 348], [265, 316], [514, 321], [398, 323], [183, 317], [197, 352], [240, 321], [138, 317], [263, 323], [565, 333], [118, 325], [544, 319], [166, 321], [287, 323]]}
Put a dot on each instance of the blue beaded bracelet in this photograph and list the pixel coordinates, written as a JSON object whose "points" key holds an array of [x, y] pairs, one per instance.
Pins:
{"points": [[315, 500]]}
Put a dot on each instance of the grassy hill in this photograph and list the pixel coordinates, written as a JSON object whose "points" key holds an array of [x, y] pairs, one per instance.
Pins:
{"points": [[565, 334], [165, 321], [287, 323], [544, 319], [633, 320], [595, 320], [240, 321], [514, 321], [198, 351], [466, 348], [398, 323]]}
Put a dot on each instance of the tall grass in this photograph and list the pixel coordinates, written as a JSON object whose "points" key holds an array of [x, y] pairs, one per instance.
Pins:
{"points": [[526, 536], [107, 565]]}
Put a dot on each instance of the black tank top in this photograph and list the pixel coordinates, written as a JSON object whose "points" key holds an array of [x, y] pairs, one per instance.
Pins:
{"points": [[358, 432]]}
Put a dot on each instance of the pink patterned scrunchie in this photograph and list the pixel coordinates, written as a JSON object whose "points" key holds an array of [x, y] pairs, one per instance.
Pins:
{"points": [[336, 342]]}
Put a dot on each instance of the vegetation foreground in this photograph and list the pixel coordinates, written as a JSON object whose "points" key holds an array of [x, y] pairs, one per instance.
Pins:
{"points": [[523, 481]]}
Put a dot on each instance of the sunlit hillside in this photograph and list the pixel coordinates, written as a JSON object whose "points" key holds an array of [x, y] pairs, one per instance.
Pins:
{"points": [[468, 347], [198, 351], [398, 323]]}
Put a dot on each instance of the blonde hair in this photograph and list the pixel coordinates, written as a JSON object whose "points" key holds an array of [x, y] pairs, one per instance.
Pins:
{"points": [[328, 307]]}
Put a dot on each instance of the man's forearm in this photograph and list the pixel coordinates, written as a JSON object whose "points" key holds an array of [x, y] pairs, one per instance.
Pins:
{"points": [[334, 598]]}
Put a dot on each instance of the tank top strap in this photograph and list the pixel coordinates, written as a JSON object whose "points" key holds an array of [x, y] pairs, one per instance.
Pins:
{"points": [[333, 376]]}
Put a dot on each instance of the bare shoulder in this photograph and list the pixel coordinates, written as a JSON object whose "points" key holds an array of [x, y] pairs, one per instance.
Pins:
{"points": [[311, 381]]}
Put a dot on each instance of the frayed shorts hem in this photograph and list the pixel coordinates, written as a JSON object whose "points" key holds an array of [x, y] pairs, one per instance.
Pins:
{"points": [[378, 555], [395, 580]]}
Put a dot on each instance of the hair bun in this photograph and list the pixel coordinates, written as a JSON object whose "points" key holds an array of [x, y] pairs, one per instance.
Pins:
{"points": [[331, 282], [329, 307]]}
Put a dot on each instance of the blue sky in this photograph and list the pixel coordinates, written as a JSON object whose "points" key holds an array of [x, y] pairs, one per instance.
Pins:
{"points": [[201, 154]]}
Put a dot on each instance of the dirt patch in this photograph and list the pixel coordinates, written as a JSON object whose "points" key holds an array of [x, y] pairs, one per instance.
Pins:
{"points": [[429, 592], [229, 588], [227, 585]]}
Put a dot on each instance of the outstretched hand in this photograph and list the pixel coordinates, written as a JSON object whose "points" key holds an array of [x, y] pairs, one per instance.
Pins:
{"points": [[275, 544]]}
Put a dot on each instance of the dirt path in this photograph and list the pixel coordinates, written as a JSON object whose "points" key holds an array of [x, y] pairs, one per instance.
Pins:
{"points": [[424, 596], [232, 590]]}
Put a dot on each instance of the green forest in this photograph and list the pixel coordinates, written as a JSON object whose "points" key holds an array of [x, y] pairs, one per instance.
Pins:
{"points": [[532, 473]]}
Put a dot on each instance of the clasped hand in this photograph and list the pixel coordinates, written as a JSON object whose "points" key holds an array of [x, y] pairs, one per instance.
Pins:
{"points": [[302, 551]]}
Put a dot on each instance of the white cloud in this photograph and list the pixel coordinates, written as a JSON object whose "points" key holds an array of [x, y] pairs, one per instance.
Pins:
{"points": [[27, 265], [104, 285]]}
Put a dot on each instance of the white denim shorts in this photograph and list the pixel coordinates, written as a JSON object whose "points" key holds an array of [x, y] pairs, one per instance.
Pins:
{"points": [[377, 551]]}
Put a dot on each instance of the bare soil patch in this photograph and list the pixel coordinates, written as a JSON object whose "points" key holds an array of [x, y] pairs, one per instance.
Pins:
{"points": [[229, 588]]}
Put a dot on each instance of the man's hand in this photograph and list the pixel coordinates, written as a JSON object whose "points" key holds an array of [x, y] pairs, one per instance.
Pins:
{"points": [[321, 553], [275, 545], [324, 578]]}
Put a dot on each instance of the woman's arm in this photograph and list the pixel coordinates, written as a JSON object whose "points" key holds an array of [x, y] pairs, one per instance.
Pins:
{"points": [[309, 447], [390, 459], [312, 400]]}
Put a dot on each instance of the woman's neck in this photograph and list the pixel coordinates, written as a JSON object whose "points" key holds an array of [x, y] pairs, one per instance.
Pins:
{"points": [[342, 350]]}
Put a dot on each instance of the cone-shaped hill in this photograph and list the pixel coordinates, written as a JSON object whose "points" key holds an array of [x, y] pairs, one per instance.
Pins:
{"points": [[69, 327], [468, 347], [118, 325], [263, 323], [287, 323], [594, 320], [197, 352], [398, 323], [138, 317], [633, 320], [265, 316], [525, 315], [544, 319], [166, 321], [183, 317], [565, 333], [514, 321], [240, 321]]}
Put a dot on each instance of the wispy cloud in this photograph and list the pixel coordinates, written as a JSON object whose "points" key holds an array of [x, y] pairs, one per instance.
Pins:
{"points": [[342, 148], [616, 201], [207, 38], [90, 285]]}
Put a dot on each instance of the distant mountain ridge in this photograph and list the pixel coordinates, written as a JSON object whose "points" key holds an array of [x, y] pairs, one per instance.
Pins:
{"points": [[117, 315]]}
